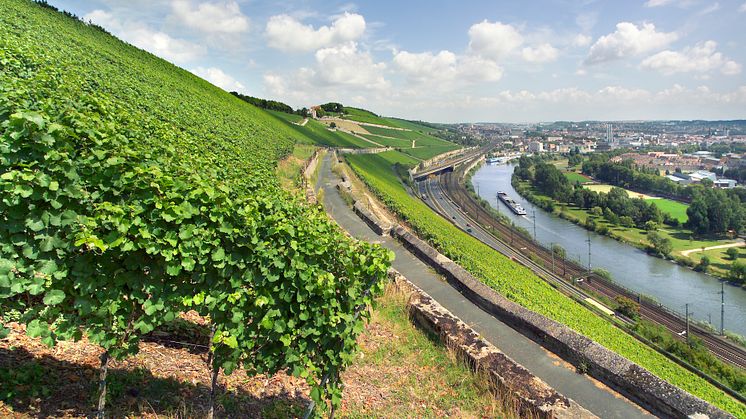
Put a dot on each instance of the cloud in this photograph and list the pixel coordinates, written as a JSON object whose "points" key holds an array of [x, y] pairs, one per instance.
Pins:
{"points": [[742, 8], [151, 40], [658, 3], [446, 67], [493, 39], [701, 58], [346, 65], [581, 40], [285, 33], [220, 17], [217, 77], [628, 40], [542, 53]]}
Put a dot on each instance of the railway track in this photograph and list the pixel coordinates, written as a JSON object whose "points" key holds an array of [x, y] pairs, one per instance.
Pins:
{"points": [[573, 278]]}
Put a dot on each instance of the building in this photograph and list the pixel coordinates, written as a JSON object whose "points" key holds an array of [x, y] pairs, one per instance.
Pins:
{"points": [[701, 175], [725, 183], [536, 147]]}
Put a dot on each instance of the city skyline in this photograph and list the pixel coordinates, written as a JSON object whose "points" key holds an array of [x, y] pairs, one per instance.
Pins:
{"points": [[556, 60]]}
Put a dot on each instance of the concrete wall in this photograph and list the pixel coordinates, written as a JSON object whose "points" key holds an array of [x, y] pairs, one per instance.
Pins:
{"points": [[626, 377], [531, 396]]}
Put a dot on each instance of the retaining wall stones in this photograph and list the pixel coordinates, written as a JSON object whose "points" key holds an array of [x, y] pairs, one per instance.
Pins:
{"points": [[630, 379], [381, 228], [512, 382], [363, 150]]}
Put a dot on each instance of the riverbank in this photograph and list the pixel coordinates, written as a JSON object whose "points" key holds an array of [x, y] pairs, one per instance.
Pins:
{"points": [[684, 247]]}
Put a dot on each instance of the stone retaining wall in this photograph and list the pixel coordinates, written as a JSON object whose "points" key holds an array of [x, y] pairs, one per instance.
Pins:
{"points": [[363, 150], [630, 379], [381, 228], [512, 382]]}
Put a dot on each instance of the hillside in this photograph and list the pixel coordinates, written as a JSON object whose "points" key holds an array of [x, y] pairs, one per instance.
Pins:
{"points": [[132, 191]]}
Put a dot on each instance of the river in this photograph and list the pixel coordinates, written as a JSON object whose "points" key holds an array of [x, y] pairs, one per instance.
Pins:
{"points": [[668, 283]]}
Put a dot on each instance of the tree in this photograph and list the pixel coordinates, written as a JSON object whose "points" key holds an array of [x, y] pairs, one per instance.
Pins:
{"points": [[732, 253], [659, 244], [651, 226], [704, 264], [559, 251], [628, 307], [597, 211], [626, 221], [737, 272]]}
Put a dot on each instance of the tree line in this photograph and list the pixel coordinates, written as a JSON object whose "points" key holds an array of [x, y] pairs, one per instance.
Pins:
{"points": [[269, 104], [712, 211]]}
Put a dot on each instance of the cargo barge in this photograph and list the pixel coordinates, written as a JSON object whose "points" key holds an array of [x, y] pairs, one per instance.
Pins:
{"points": [[514, 206]]}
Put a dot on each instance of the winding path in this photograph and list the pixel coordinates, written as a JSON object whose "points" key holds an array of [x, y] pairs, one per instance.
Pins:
{"points": [[739, 243]]}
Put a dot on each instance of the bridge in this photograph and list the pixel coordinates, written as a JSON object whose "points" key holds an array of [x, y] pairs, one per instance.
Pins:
{"points": [[449, 164]]}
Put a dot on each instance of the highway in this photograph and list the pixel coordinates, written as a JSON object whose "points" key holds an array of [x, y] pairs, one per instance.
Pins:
{"points": [[447, 196]]}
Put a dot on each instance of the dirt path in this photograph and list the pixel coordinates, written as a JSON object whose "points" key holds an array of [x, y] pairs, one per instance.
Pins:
{"points": [[302, 123], [739, 243]]}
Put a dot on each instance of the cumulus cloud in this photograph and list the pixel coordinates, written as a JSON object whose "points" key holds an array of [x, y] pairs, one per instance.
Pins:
{"points": [[628, 40], [217, 77], [542, 53], [220, 17], [701, 58], [493, 39], [154, 41], [285, 33], [347, 65], [446, 67]]}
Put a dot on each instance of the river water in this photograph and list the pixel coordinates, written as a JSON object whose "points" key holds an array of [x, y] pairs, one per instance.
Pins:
{"points": [[668, 283]]}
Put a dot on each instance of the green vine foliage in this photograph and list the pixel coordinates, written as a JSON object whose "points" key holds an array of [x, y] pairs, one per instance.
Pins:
{"points": [[115, 217]]}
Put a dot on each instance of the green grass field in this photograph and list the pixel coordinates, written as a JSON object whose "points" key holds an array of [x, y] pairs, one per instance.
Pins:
{"points": [[393, 157], [673, 208], [520, 284], [315, 132], [361, 115], [289, 117], [574, 178]]}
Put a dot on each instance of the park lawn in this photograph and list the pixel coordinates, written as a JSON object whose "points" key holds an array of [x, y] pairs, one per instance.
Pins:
{"points": [[681, 238], [720, 262], [604, 188], [673, 208], [574, 178]]}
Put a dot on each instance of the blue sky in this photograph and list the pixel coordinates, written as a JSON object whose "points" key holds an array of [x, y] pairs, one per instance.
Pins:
{"points": [[449, 61]]}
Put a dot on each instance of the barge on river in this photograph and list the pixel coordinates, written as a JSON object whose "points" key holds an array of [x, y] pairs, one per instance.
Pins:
{"points": [[510, 202]]}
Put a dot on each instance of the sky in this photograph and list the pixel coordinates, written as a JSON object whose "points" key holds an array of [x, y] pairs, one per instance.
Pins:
{"points": [[446, 61]]}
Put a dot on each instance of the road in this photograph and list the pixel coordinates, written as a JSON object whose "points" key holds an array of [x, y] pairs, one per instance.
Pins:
{"points": [[586, 391], [739, 243], [458, 201]]}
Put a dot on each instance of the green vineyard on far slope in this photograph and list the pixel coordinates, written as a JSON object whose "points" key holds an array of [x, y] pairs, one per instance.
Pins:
{"points": [[520, 284]]}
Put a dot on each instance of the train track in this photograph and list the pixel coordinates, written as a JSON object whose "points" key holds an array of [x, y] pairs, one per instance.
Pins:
{"points": [[573, 278]]}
